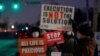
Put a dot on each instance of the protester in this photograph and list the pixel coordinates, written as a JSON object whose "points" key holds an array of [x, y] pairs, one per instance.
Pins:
{"points": [[68, 46], [52, 48], [42, 32], [86, 44], [34, 32]]}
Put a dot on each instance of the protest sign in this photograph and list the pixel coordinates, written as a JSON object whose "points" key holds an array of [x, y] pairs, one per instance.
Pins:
{"points": [[55, 53], [56, 17], [32, 47], [54, 37]]}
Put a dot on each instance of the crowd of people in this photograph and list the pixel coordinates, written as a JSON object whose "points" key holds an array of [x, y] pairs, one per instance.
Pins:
{"points": [[80, 42]]}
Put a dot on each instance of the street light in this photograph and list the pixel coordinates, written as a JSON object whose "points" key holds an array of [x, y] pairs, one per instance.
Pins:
{"points": [[15, 6], [26, 28], [12, 26], [1, 7]]}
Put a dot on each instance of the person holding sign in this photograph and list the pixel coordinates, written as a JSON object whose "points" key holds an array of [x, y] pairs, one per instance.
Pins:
{"points": [[86, 44], [34, 32]]}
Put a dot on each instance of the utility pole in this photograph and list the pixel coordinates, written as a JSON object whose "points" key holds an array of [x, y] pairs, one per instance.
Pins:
{"points": [[87, 7], [87, 12], [95, 16]]}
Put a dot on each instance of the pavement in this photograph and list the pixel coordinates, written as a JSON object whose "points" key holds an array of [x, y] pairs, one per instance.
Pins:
{"points": [[8, 47]]}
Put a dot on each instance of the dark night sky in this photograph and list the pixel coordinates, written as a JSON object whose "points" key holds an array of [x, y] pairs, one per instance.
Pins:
{"points": [[31, 13]]}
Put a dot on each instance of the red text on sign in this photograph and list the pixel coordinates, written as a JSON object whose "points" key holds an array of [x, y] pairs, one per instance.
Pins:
{"points": [[55, 15]]}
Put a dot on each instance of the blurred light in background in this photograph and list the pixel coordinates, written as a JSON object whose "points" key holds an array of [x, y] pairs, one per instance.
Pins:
{"points": [[26, 28], [22, 29], [12, 26], [15, 6], [1, 7]]}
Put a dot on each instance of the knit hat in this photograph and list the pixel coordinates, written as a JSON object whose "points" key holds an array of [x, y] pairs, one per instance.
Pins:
{"points": [[84, 29]]}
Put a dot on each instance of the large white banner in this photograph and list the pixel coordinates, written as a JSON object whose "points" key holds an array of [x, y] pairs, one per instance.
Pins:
{"points": [[56, 17]]}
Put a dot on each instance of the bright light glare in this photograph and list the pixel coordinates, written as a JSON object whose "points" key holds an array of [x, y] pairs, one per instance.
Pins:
{"points": [[15, 6], [12, 26], [1, 7], [26, 28]]}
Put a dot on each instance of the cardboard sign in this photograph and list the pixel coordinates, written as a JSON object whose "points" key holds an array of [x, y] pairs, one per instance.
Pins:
{"points": [[55, 53], [56, 17], [32, 47], [54, 37]]}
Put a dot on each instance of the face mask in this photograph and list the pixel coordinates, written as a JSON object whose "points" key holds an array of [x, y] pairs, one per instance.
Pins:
{"points": [[35, 34], [69, 33]]}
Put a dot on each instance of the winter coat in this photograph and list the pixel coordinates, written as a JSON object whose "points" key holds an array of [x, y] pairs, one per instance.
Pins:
{"points": [[85, 47]]}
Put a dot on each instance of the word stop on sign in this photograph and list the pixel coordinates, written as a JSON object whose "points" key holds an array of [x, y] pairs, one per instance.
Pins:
{"points": [[53, 35]]}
